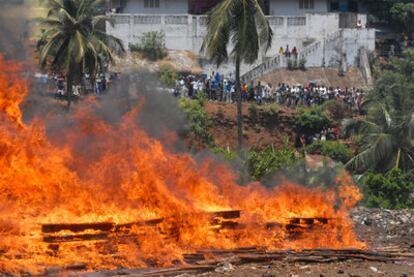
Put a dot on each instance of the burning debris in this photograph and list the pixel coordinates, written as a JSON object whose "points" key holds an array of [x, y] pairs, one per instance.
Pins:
{"points": [[109, 196]]}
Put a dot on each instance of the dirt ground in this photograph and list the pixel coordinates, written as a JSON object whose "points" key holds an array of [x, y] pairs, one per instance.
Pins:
{"points": [[263, 125], [340, 269]]}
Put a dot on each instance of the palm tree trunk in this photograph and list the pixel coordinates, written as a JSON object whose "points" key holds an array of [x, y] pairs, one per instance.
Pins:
{"points": [[397, 163], [239, 107], [69, 84]]}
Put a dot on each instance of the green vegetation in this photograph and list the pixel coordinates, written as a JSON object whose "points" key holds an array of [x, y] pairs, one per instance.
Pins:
{"points": [[227, 153], [152, 46], [198, 120], [312, 120], [392, 190], [168, 74], [386, 136], [332, 149], [398, 13], [73, 42], [263, 163], [242, 24], [293, 64], [336, 110]]}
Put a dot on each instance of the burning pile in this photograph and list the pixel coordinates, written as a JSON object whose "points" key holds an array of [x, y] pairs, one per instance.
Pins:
{"points": [[126, 200]]}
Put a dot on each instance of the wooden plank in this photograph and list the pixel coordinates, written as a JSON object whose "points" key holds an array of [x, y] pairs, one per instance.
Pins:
{"points": [[309, 220], [80, 227], [180, 270], [109, 226], [259, 258], [227, 214], [78, 237], [152, 222]]}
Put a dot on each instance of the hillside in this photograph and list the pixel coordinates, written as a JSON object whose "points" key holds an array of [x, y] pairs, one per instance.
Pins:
{"points": [[263, 125], [323, 76]]}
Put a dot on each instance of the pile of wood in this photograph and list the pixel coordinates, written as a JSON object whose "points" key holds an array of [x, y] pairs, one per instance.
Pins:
{"points": [[52, 233], [204, 260]]}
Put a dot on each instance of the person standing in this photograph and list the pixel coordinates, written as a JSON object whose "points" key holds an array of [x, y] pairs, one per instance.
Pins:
{"points": [[98, 85], [287, 51], [245, 92], [295, 53]]}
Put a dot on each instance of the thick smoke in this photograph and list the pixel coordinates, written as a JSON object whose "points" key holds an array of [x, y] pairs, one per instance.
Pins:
{"points": [[159, 113], [15, 29]]}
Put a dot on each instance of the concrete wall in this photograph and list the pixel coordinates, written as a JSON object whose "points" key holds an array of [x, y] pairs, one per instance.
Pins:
{"points": [[317, 36], [291, 7], [186, 32], [166, 7]]}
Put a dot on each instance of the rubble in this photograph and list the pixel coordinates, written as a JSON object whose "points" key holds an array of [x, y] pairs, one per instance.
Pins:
{"points": [[389, 226]]}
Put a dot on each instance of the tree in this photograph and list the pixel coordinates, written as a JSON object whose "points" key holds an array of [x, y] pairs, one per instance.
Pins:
{"points": [[74, 41], [243, 25], [398, 13], [386, 135]]}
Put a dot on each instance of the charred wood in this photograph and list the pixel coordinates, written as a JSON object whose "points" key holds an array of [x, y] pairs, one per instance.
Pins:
{"points": [[71, 238]]}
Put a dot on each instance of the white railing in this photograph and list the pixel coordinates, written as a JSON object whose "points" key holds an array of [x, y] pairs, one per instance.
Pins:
{"points": [[147, 19], [296, 21], [176, 19], [202, 19], [274, 62], [268, 65], [276, 20]]}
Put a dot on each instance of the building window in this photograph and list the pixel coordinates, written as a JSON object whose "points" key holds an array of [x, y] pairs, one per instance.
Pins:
{"points": [[334, 7], [306, 4], [151, 3]]}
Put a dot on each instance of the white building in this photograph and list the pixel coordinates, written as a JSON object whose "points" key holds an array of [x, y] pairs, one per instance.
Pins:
{"points": [[151, 6], [324, 31], [272, 7]]}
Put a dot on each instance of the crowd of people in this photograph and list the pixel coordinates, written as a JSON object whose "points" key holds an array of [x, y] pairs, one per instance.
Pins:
{"points": [[58, 84], [218, 88]]}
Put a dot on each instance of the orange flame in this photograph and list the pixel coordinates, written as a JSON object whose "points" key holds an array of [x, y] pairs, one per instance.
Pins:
{"points": [[126, 176]]}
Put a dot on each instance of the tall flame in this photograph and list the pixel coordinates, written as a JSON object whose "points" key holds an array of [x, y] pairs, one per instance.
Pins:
{"points": [[126, 176]]}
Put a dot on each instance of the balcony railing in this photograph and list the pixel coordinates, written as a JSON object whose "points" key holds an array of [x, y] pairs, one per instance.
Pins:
{"points": [[143, 19]]}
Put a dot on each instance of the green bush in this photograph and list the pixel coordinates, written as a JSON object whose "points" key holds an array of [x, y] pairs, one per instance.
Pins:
{"points": [[332, 149], [302, 64], [264, 163], [337, 110], [198, 121], [393, 190], [152, 46], [228, 154], [312, 120], [168, 74], [292, 64]]}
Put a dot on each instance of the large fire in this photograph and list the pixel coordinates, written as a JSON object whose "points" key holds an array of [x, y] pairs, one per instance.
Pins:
{"points": [[128, 177]]}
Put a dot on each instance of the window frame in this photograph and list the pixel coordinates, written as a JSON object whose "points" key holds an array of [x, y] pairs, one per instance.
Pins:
{"points": [[306, 4], [151, 4]]}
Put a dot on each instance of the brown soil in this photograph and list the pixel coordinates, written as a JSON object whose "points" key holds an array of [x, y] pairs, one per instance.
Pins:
{"points": [[263, 125], [349, 268], [323, 76]]}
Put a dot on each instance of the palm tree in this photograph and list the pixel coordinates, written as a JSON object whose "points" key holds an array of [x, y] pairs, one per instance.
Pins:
{"points": [[385, 136], [74, 41], [243, 25]]}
